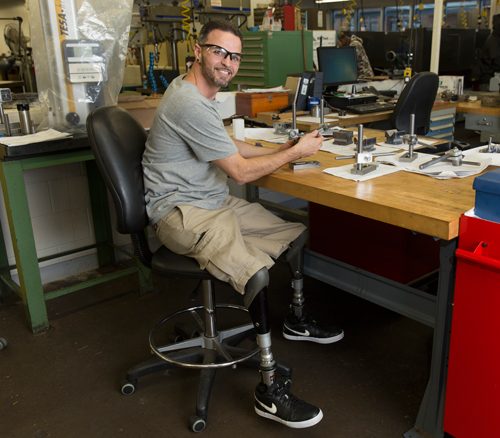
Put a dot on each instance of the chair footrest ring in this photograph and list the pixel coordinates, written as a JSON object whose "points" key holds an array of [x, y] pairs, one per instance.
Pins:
{"points": [[215, 343]]}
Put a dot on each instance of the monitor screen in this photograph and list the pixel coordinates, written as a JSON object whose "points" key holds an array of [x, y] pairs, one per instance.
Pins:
{"points": [[338, 65]]}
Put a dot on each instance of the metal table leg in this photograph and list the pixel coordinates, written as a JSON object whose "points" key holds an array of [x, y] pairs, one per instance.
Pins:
{"points": [[5, 290], [431, 413], [23, 241], [100, 215]]}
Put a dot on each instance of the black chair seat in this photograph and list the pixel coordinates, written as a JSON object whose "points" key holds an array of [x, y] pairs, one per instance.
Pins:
{"points": [[168, 263]]}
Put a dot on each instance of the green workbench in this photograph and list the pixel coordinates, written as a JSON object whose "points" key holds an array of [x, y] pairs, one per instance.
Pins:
{"points": [[13, 161]]}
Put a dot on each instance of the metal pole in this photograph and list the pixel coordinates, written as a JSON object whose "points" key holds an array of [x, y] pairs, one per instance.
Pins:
{"points": [[359, 166], [436, 35], [209, 309]]}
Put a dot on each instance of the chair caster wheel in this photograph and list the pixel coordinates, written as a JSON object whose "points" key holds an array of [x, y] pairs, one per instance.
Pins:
{"points": [[3, 343], [175, 338], [128, 387], [196, 424]]}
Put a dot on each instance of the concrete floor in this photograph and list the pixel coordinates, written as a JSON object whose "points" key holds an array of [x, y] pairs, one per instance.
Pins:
{"points": [[65, 383]]}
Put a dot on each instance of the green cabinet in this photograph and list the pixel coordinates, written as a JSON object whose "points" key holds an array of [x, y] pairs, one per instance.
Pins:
{"points": [[268, 57]]}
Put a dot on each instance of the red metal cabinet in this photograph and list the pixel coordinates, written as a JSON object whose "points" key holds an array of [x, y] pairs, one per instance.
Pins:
{"points": [[472, 407]]}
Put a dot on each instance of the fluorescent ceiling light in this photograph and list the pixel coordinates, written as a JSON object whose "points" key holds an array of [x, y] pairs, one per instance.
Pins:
{"points": [[328, 1]]}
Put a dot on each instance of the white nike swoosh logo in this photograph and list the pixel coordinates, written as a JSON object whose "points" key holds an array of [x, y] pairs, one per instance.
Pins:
{"points": [[272, 409], [304, 333]]}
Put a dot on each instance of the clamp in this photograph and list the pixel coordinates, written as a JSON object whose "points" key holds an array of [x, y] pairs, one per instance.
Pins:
{"points": [[411, 140], [455, 156], [363, 160], [491, 149], [295, 134]]}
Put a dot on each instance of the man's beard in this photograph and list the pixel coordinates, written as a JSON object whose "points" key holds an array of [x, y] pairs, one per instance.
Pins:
{"points": [[210, 74]]}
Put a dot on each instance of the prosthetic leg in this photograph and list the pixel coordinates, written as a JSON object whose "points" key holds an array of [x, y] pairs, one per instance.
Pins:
{"points": [[273, 399], [294, 256], [257, 305], [298, 325]]}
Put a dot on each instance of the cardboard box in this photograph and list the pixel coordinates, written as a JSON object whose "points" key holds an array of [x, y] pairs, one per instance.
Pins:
{"points": [[143, 109], [249, 104]]}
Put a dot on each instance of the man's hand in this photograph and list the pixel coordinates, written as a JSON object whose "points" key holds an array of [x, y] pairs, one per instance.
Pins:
{"points": [[251, 166], [287, 145], [309, 144]]}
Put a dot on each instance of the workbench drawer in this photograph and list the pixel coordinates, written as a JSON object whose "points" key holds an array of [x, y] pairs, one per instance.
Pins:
{"points": [[442, 120], [482, 122], [440, 129], [444, 136]]}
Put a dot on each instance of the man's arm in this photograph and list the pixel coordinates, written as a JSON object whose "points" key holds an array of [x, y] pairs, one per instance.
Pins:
{"points": [[243, 170], [248, 150]]}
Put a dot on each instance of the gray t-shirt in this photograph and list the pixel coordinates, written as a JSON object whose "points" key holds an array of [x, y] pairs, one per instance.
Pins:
{"points": [[186, 135]]}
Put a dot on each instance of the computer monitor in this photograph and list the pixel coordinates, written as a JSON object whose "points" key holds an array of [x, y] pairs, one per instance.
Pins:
{"points": [[338, 65]]}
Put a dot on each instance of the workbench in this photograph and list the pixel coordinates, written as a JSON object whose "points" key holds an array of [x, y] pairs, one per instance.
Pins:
{"points": [[443, 115], [13, 161], [410, 201]]}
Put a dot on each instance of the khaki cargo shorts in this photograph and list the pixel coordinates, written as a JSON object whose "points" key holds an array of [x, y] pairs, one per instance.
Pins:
{"points": [[233, 242]]}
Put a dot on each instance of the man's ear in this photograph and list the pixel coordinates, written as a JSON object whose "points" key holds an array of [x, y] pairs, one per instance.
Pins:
{"points": [[197, 52]]}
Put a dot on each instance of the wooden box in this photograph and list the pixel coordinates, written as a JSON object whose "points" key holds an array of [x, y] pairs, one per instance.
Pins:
{"points": [[493, 101], [249, 104]]}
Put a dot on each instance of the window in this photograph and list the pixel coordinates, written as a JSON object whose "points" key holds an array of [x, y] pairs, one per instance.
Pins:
{"points": [[456, 13], [371, 19], [424, 17], [338, 19], [392, 15]]}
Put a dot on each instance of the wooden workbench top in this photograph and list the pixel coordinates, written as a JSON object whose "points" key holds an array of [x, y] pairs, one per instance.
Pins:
{"points": [[407, 200], [270, 117], [476, 108]]}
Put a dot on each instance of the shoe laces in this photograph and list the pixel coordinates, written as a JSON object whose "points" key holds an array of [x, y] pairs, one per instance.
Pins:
{"points": [[285, 396], [311, 322]]}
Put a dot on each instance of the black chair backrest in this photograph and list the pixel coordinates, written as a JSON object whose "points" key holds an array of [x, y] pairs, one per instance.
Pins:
{"points": [[118, 141], [417, 98]]}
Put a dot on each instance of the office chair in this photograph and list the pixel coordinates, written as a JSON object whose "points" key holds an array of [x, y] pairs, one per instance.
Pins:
{"points": [[416, 98], [118, 141]]}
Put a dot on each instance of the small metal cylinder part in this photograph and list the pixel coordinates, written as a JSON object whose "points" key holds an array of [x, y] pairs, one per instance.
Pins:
{"points": [[294, 115], [6, 122], [412, 124], [24, 118], [359, 166], [322, 112]]}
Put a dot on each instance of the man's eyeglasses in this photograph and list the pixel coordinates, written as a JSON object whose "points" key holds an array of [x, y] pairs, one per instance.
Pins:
{"points": [[222, 53]]}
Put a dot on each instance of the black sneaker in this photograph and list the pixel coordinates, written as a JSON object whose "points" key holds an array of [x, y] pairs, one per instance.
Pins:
{"points": [[307, 329], [279, 404]]}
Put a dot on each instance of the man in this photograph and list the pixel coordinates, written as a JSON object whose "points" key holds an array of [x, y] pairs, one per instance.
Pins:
{"points": [[186, 163], [490, 58], [364, 66]]}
